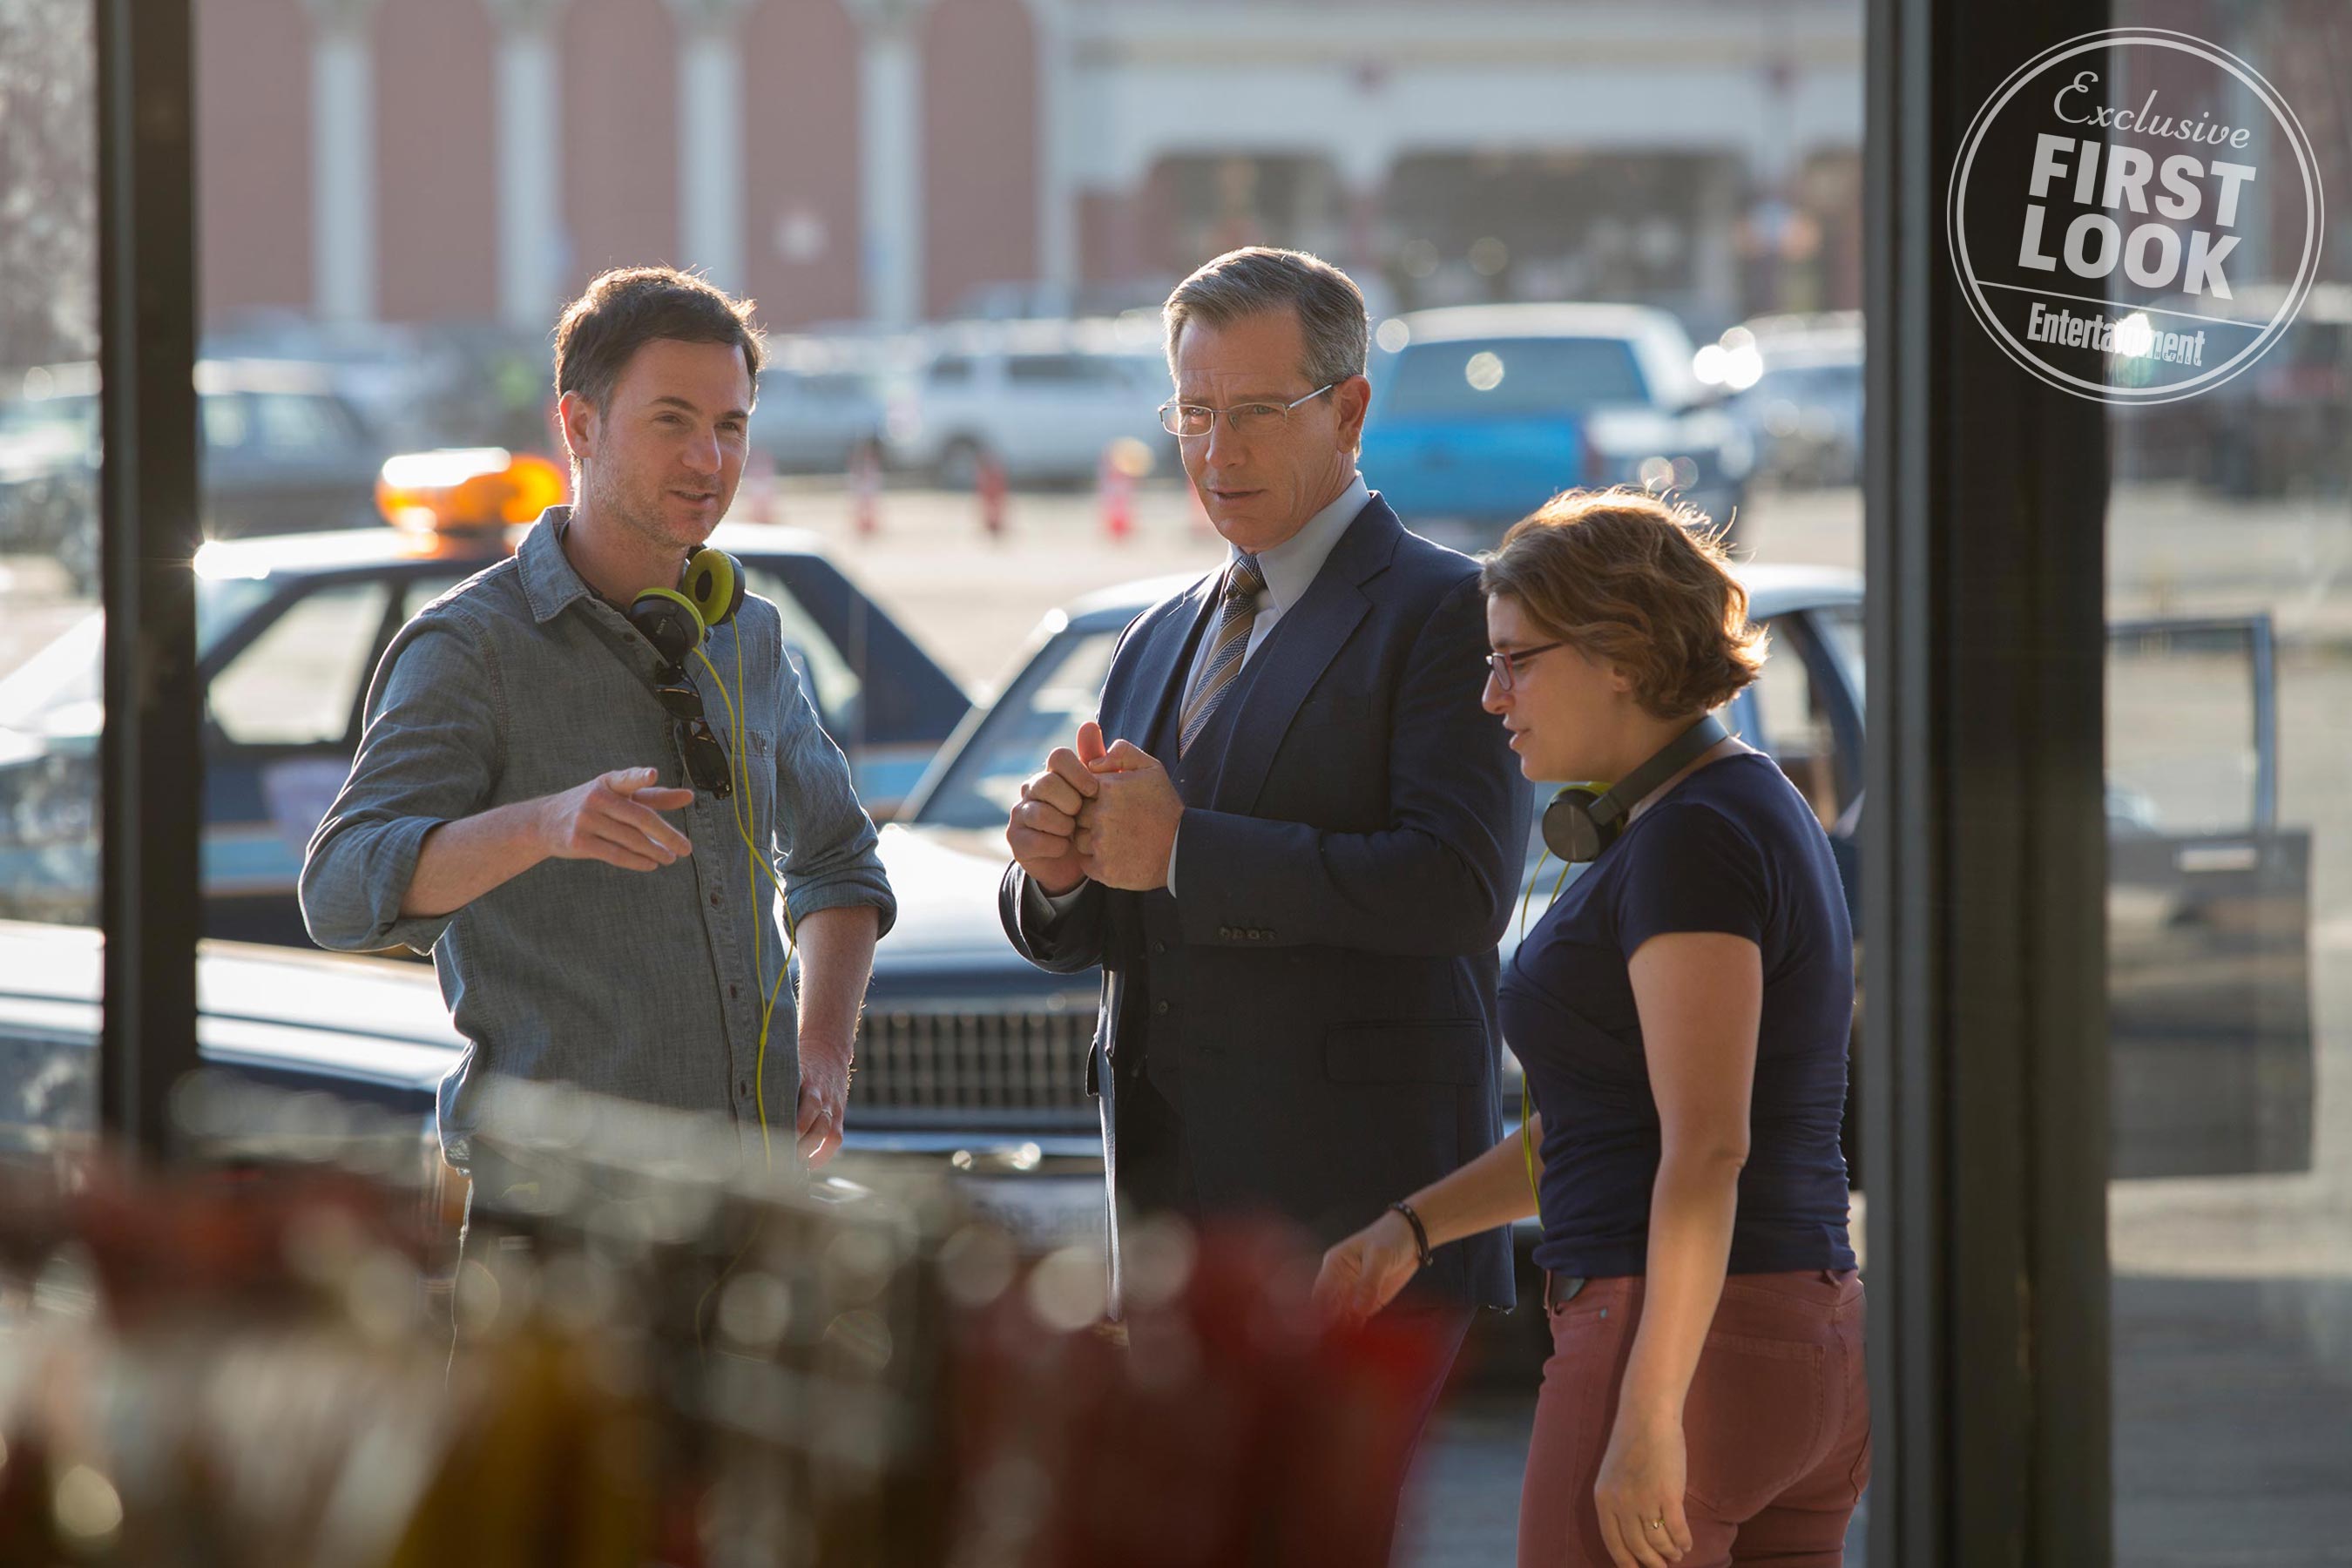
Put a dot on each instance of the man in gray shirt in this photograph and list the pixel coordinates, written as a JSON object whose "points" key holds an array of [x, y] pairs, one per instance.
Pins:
{"points": [[510, 808]]}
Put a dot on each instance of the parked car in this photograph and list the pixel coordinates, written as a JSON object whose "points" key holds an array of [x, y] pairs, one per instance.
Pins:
{"points": [[815, 422], [281, 451], [289, 631], [2276, 429], [1482, 413], [1041, 399], [2214, 1067], [958, 1030], [406, 380], [1804, 412], [360, 1042]]}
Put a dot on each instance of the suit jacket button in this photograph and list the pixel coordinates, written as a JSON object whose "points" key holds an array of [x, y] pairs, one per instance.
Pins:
{"points": [[1224, 933], [1160, 1007], [1159, 947]]}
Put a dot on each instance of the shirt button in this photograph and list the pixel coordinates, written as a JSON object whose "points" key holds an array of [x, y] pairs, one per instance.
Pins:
{"points": [[1160, 1007], [1159, 947], [714, 901]]}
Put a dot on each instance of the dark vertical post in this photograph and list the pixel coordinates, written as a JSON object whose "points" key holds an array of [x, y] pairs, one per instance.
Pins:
{"points": [[1984, 1105], [151, 798]]}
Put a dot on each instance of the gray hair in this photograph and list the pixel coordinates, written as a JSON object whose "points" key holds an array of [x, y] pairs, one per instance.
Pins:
{"points": [[1258, 279]]}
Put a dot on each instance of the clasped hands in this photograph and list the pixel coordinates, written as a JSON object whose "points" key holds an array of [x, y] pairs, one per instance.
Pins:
{"points": [[1108, 813]]}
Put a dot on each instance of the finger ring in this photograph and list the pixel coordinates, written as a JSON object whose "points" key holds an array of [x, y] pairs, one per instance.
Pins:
{"points": [[1657, 1524]]}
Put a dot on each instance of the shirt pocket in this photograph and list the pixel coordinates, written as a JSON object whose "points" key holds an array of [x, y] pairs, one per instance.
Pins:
{"points": [[759, 762]]}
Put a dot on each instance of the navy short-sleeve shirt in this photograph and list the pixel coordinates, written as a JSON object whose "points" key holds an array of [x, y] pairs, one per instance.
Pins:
{"points": [[1733, 848]]}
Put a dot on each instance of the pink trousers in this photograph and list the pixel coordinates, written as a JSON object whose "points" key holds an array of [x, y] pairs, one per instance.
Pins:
{"points": [[1778, 1422]]}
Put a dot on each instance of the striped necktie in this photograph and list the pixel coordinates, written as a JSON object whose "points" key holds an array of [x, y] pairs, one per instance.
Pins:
{"points": [[1244, 581]]}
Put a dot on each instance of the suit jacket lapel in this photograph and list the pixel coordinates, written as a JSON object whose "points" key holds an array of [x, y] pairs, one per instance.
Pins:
{"points": [[1300, 648], [1134, 711]]}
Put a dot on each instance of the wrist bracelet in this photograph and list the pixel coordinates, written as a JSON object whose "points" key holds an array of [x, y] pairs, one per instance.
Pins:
{"points": [[1420, 1231]]}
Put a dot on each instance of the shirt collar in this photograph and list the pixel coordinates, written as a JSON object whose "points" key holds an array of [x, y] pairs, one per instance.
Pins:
{"points": [[1290, 566], [550, 580]]}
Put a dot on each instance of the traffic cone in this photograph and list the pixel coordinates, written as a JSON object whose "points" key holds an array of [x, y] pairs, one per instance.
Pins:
{"points": [[865, 491], [1115, 495], [758, 491], [988, 484]]}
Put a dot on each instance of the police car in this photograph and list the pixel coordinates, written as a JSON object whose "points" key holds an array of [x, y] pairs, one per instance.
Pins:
{"points": [[289, 631]]}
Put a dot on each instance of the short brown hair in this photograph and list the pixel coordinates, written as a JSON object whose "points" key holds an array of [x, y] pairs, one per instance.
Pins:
{"points": [[630, 307], [1258, 279], [1646, 586]]}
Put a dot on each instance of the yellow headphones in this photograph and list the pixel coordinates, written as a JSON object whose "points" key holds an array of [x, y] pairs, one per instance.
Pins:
{"points": [[676, 620]]}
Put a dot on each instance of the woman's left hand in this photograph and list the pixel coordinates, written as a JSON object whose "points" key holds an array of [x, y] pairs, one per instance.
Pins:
{"points": [[1640, 1491]]}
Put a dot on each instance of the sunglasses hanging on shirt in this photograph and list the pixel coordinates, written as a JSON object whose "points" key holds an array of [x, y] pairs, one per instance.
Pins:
{"points": [[706, 754]]}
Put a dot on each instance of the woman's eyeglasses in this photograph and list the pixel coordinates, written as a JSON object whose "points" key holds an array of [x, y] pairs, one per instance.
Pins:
{"points": [[705, 756], [1504, 662]]}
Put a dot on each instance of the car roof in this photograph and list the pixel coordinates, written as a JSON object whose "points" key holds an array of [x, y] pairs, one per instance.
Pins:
{"points": [[1450, 322], [1660, 343], [356, 549], [1115, 336], [1774, 588], [1824, 351], [1777, 588], [1128, 600]]}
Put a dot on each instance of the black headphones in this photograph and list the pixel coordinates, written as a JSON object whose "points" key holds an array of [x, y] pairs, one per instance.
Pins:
{"points": [[1584, 819], [676, 620]]}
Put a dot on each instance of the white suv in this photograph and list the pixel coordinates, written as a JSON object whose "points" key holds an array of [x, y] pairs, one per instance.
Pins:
{"points": [[1045, 409]]}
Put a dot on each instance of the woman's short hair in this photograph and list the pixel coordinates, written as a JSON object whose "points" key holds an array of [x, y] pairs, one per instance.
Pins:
{"points": [[1646, 586]]}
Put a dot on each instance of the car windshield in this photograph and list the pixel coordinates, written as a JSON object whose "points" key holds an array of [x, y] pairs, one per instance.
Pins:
{"points": [[1058, 690], [1503, 378], [55, 691]]}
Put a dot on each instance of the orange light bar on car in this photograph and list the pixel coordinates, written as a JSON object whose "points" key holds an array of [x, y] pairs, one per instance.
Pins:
{"points": [[466, 489]]}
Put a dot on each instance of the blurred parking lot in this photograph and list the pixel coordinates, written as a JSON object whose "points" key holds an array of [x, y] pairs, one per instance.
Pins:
{"points": [[972, 598]]}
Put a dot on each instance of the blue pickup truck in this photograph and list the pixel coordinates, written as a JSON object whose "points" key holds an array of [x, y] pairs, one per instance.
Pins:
{"points": [[1482, 413]]}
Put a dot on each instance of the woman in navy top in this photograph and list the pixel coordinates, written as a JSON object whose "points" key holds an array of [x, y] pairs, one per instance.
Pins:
{"points": [[1681, 1011]]}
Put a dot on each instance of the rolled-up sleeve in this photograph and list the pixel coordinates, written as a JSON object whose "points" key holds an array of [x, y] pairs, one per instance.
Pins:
{"points": [[428, 754], [831, 849]]}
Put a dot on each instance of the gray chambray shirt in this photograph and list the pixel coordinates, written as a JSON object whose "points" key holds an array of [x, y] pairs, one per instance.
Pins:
{"points": [[521, 682]]}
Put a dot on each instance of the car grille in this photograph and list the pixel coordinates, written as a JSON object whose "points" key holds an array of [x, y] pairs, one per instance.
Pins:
{"points": [[976, 1066]]}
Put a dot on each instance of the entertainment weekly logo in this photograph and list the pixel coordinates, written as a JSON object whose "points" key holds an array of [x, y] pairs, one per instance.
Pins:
{"points": [[2135, 215]]}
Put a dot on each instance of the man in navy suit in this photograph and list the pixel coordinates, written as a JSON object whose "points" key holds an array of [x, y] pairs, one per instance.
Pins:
{"points": [[1293, 838]]}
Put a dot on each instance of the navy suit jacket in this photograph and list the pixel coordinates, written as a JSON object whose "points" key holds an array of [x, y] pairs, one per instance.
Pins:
{"points": [[1324, 981]]}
